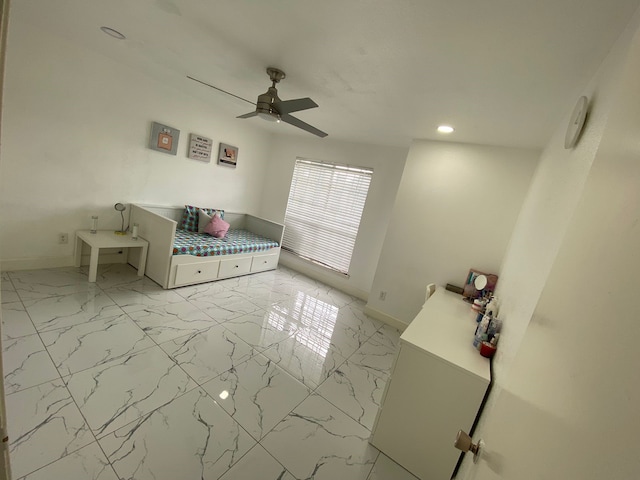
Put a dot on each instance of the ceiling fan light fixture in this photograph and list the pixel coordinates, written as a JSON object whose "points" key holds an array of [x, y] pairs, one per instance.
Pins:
{"points": [[269, 116], [445, 129]]}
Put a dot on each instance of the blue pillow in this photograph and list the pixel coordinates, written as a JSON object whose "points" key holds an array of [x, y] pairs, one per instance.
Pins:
{"points": [[190, 217]]}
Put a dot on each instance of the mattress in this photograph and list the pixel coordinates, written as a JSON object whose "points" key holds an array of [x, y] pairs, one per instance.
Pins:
{"points": [[204, 245]]}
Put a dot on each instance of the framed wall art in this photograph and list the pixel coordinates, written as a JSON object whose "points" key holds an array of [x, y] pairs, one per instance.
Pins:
{"points": [[227, 155], [164, 138], [200, 148]]}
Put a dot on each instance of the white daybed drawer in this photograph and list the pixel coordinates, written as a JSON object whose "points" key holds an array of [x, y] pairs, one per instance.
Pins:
{"points": [[264, 262], [234, 266], [189, 273]]}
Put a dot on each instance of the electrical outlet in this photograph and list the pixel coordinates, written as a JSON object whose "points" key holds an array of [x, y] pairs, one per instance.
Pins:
{"points": [[63, 238], [382, 295]]}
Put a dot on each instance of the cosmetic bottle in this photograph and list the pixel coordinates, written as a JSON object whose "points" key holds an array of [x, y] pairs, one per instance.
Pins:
{"points": [[481, 331]]}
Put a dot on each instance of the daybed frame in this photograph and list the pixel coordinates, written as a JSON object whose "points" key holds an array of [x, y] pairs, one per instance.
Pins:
{"points": [[157, 225]]}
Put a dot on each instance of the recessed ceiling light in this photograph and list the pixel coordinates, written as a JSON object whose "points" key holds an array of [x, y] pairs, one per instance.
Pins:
{"points": [[445, 129], [113, 33]]}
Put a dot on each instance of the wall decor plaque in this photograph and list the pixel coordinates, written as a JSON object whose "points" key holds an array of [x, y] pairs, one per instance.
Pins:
{"points": [[164, 138], [200, 148]]}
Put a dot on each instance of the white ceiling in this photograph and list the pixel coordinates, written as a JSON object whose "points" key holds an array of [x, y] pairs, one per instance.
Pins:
{"points": [[502, 72]]}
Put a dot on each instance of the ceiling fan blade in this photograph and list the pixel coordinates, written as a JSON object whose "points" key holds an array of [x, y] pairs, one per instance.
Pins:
{"points": [[289, 106], [248, 115], [220, 90], [300, 124]]}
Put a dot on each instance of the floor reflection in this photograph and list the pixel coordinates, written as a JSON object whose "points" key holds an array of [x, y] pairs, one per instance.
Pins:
{"points": [[315, 321]]}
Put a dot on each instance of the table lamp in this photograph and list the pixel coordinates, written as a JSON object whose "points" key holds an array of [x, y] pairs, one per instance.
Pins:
{"points": [[120, 208]]}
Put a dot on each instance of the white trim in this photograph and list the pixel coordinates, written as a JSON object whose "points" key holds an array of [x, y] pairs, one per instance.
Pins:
{"points": [[55, 262], [36, 263], [324, 275], [383, 317]]}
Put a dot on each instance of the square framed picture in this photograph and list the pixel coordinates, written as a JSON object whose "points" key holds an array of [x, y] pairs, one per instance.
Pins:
{"points": [[228, 155], [164, 138], [200, 148]]}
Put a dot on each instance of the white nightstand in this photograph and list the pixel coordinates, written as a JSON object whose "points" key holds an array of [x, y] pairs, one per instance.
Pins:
{"points": [[107, 239]]}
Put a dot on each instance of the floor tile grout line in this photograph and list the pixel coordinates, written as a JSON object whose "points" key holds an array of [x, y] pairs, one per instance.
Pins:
{"points": [[341, 409], [62, 378], [39, 333], [300, 403], [24, 307], [65, 383], [154, 344], [48, 355], [90, 431], [86, 421], [269, 453], [62, 458], [256, 352], [197, 382]]}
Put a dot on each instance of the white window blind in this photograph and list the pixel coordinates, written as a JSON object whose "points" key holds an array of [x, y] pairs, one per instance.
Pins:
{"points": [[324, 210]]}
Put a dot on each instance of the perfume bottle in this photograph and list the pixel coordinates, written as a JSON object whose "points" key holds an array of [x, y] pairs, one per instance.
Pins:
{"points": [[94, 224]]}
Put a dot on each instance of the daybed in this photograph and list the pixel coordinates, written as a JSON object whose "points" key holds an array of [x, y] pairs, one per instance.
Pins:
{"points": [[174, 260]]}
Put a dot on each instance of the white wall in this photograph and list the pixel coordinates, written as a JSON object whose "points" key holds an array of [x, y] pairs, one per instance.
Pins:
{"points": [[573, 391], [455, 210], [552, 205], [75, 129], [387, 164]]}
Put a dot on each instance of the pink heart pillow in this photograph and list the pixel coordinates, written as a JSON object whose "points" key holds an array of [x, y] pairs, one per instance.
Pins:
{"points": [[217, 227]]}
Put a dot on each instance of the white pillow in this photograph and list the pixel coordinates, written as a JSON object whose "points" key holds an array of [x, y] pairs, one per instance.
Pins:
{"points": [[203, 220]]}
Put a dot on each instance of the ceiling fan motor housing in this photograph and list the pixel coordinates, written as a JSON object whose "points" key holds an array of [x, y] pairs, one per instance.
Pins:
{"points": [[265, 103]]}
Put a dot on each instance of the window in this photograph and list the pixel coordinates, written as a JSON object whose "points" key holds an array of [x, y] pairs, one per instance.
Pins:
{"points": [[324, 210]]}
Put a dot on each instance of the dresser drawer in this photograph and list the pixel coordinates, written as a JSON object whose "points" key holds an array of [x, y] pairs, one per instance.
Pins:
{"points": [[264, 262], [189, 273], [232, 267]]}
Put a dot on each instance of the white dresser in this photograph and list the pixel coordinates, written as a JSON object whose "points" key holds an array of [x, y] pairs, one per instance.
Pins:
{"points": [[436, 388]]}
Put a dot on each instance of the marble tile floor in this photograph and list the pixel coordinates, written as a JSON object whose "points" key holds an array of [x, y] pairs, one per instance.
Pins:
{"points": [[267, 376]]}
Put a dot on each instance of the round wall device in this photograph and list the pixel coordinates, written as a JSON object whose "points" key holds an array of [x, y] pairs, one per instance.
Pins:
{"points": [[576, 122]]}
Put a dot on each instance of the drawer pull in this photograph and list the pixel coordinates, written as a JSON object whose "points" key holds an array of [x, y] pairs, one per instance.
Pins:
{"points": [[199, 271], [237, 266]]}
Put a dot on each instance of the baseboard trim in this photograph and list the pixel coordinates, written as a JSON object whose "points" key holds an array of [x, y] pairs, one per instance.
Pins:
{"points": [[329, 278], [386, 318], [56, 262], [10, 265]]}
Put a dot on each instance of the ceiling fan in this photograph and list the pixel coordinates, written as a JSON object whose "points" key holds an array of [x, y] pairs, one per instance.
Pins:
{"points": [[270, 107]]}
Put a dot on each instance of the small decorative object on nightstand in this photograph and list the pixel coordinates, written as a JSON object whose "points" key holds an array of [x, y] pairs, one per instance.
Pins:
{"points": [[94, 224], [120, 208]]}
